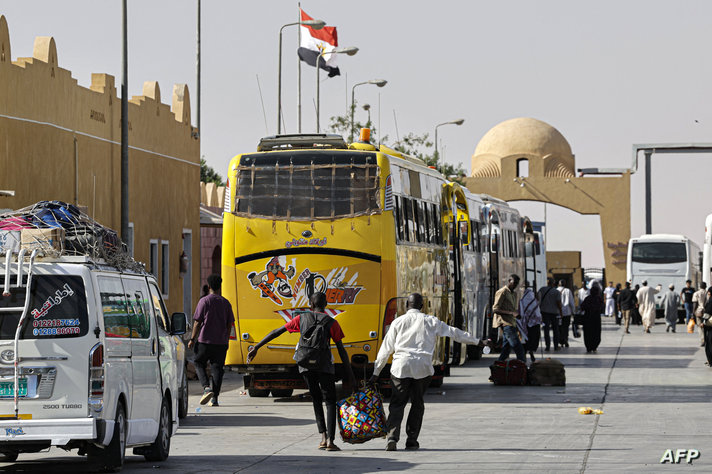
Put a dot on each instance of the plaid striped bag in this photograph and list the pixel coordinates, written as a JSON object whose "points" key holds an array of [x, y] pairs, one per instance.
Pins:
{"points": [[361, 416]]}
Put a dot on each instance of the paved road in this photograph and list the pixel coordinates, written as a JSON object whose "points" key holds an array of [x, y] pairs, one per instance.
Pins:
{"points": [[653, 388]]}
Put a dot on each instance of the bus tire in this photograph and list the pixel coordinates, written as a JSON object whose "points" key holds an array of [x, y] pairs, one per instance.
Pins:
{"points": [[474, 353], [9, 456], [282, 392], [258, 392]]}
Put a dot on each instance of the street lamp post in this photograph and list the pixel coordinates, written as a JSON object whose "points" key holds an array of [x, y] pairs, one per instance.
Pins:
{"points": [[351, 50], [377, 82], [452, 122], [317, 25]]}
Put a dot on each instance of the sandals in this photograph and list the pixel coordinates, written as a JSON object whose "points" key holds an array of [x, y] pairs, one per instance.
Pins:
{"points": [[333, 447], [322, 445]]}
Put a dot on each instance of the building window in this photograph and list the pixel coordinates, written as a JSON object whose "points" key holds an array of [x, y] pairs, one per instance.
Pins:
{"points": [[523, 168], [153, 257], [165, 274]]}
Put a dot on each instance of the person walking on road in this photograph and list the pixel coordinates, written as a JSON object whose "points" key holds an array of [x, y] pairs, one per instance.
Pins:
{"points": [[592, 308], [411, 339], [637, 318], [708, 329], [616, 298], [646, 304], [699, 299], [610, 300], [211, 333], [506, 312], [626, 301], [686, 297], [530, 320], [321, 381], [550, 304], [567, 311], [670, 302], [581, 295]]}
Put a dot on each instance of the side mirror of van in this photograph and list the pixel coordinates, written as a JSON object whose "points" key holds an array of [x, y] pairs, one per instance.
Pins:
{"points": [[178, 324]]}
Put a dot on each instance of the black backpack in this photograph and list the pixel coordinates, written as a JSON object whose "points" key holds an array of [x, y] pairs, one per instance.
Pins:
{"points": [[314, 351]]}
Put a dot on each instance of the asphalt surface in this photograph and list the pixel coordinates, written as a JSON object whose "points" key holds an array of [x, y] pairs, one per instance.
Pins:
{"points": [[653, 389]]}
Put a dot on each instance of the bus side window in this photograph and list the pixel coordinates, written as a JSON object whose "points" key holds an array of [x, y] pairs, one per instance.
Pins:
{"points": [[398, 219], [428, 223], [407, 219], [422, 227]]}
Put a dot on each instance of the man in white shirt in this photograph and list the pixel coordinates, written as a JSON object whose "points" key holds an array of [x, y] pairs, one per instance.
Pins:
{"points": [[567, 310], [581, 295], [610, 301], [411, 339]]}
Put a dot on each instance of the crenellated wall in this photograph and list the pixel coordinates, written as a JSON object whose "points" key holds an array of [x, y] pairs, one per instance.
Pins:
{"points": [[60, 140]]}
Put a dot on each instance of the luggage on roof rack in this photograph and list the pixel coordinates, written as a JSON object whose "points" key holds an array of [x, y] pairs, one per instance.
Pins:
{"points": [[306, 140]]}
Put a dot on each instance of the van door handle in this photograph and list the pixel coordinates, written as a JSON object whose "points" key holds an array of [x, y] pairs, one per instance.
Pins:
{"points": [[153, 346]]}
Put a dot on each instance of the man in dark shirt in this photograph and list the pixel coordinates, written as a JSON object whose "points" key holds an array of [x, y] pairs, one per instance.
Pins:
{"points": [[323, 379], [550, 305], [626, 302], [211, 331], [686, 297]]}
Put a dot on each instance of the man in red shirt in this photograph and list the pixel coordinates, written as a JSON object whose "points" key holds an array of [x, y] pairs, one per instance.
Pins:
{"points": [[322, 379]]}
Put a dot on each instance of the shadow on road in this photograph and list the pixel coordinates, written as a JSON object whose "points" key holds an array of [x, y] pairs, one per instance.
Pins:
{"points": [[223, 419]]}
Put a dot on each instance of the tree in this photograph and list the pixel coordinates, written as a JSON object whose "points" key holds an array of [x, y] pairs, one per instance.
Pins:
{"points": [[412, 144], [209, 175]]}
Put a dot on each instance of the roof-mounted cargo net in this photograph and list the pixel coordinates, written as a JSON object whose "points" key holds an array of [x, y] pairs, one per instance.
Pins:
{"points": [[307, 185], [57, 229], [296, 141]]}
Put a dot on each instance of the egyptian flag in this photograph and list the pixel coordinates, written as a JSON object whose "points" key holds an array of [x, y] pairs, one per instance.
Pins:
{"points": [[314, 42]]}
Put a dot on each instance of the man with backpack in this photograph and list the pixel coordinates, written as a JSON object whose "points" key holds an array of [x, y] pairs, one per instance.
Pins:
{"points": [[411, 339], [316, 364]]}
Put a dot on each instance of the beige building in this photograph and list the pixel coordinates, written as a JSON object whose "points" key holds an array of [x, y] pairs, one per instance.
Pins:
{"points": [[525, 159], [565, 265], [61, 141]]}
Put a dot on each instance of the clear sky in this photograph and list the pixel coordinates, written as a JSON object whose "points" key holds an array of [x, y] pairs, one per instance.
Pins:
{"points": [[606, 74]]}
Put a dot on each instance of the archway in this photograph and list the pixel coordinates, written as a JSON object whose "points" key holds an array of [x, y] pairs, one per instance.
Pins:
{"points": [[552, 179]]}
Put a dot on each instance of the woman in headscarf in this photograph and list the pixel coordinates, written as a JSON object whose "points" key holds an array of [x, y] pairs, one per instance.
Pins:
{"points": [[592, 308], [530, 320]]}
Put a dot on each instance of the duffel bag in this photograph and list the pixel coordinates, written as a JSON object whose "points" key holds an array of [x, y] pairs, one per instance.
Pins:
{"points": [[508, 372], [361, 416], [547, 372]]}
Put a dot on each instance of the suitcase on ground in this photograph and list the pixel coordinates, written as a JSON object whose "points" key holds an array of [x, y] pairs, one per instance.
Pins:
{"points": [[509, 372], [547, 372]]}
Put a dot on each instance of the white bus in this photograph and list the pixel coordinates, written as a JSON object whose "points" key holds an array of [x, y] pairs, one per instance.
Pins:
{"points": [[707, 251], [663, 259]]}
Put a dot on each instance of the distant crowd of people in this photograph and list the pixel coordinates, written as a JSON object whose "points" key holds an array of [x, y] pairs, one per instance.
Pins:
{"points": [[555, 309]]}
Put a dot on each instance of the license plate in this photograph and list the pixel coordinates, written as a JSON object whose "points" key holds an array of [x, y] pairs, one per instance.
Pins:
{"points": [[7, 389]]}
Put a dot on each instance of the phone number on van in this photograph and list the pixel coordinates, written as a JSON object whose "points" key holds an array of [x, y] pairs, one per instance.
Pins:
{"points": [[54, 331], [55, 323]]}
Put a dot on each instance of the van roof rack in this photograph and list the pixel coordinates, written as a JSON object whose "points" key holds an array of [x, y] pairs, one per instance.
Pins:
{"points": [[306, 140]]}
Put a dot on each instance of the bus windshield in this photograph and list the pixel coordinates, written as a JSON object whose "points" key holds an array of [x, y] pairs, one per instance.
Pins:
{"points": [[659, 252], [307, 185]]}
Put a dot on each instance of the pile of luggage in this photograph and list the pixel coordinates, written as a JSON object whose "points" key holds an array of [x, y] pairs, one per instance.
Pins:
{"points": [[58, 228], [515, 372]]}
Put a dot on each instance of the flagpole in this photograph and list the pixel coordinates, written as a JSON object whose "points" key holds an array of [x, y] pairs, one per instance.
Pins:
{"points": [[299, 70]]}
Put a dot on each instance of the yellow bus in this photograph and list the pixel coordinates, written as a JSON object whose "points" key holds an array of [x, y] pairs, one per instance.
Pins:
{"points": [[365, 225]]}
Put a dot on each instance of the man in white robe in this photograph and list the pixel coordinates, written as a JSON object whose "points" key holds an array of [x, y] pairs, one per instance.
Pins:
{"points": [[610, 301], [646, 305]]}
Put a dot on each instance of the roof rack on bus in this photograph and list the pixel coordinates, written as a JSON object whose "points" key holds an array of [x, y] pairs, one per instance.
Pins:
{"points": [[306, 140]]}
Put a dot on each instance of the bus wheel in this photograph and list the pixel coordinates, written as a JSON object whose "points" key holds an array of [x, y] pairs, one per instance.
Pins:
{"points": [[282, 392], [474, 353], [258, 392]]}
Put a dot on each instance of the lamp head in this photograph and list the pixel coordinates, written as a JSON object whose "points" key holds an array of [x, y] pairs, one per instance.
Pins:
{"points": [[459, 121], [351, 50], [378, 82], [316, 24], [366, 107]]}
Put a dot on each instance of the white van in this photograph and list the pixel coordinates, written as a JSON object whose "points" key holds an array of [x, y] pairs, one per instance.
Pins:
{"points": [[97, 364]]}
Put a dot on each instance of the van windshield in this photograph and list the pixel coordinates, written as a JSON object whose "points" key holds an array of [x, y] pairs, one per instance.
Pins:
{"points": [[58, 309]]}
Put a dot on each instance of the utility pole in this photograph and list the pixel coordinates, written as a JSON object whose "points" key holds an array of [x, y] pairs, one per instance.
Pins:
{"points": [[124, 129], [197, 82]]}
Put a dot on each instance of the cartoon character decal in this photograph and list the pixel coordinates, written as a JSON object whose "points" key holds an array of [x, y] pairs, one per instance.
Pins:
{"points": [[274, 279], [273, 283]]}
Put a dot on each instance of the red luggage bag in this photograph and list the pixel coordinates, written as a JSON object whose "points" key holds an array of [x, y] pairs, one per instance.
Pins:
{"points": [[509, 372]]}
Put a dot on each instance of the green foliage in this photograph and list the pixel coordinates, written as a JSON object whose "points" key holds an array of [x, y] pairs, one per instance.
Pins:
{"points": [[412, 144], [209, 175]]}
